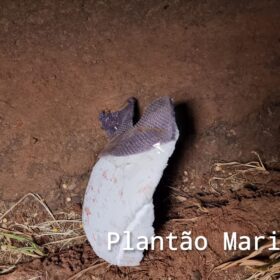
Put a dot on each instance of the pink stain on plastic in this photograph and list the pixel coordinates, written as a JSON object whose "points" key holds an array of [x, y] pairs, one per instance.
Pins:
{"points": [[87, 211], [104, 174]]}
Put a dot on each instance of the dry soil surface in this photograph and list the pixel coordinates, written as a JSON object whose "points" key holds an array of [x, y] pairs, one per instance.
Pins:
{"points": [[62, 62]]}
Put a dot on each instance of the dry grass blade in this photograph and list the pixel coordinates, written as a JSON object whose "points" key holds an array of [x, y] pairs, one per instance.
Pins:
{"points": [[4, 269], [36, 197], [265, 269], [253, 263], [234, 174], [66, 240], [29, 229], [80, 273], [183, 221]]}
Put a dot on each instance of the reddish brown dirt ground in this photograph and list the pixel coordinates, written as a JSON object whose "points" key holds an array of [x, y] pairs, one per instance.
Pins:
{"points": [[62, 62]]}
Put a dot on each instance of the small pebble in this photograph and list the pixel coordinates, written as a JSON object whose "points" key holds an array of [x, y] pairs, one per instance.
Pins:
{"points": [[68, 199], [181, 198], [4, 221], [218, 168], [64, 186]]}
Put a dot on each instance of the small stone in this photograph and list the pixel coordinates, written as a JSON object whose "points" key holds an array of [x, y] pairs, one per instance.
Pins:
{"points": [[218, 168], [64, 186], [181, 198], [68, 199], [4, 221]]}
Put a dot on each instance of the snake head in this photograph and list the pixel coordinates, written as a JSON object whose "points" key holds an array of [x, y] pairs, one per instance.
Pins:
{"points": [[156, 126], [114, 123]]}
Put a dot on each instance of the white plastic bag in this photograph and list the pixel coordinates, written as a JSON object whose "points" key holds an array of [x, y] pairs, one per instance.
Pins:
{"points": [[119, 195]]}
